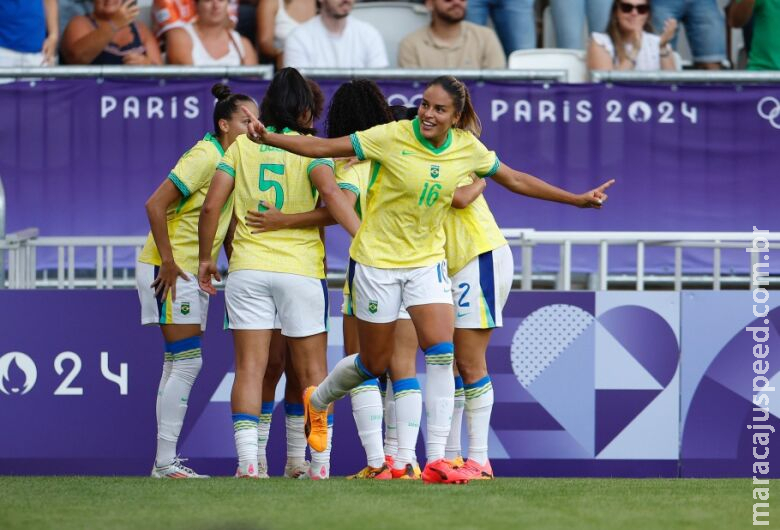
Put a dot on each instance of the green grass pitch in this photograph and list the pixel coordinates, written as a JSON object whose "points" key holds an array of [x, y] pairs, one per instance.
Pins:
{"points": [[505, 504]]}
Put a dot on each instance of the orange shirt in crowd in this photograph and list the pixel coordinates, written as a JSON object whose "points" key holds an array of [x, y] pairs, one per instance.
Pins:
{"points": [[167, 14]]}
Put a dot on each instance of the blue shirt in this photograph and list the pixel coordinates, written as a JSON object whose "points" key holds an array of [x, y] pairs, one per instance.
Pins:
{"points": [[22, 25]]}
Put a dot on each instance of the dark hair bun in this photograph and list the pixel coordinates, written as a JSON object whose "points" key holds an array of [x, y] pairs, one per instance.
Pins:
{"points": [[220, 91]]}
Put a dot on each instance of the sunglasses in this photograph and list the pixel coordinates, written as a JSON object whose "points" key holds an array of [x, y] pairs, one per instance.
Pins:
{"points": [[641, 9]]}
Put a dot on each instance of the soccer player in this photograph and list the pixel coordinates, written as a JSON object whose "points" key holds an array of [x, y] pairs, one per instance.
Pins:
{"points": [[480, 264], [167, 269], [276, 272], [280, 362], [397, 256]]}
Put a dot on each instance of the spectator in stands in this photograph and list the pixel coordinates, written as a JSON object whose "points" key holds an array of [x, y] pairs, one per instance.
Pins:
{"points": [[71, 8], [629, 43], [169, 14], [110, 35], [451, 42], [210, 39], [514, 20], [705, 28], [333, 39], [765, 43], [28, 33], [569, 18], [276, 19]]}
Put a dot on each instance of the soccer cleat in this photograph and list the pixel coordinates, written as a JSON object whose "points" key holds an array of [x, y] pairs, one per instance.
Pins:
{"points": [[441, 472], [474, 471], [262, 471], [389, 461], [175, 470], [408, 472], [373, 473], [457, 462], [249, 470], [296, 470], [315, 423], [316, 474]]}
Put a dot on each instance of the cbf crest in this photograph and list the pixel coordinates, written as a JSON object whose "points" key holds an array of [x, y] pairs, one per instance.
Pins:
{"points": [[434, 172]]}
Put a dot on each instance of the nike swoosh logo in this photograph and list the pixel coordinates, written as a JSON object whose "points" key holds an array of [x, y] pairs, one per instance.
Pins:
{"points": [[461, 315], [407, 152]]}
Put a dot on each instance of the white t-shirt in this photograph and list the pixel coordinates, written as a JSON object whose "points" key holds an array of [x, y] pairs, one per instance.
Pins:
{"points": [[649, 56], [201, 56], [311, 45]]}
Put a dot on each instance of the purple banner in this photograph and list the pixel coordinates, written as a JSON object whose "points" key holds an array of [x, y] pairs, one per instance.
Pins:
{"points": [[586, 384], [80, 157]]}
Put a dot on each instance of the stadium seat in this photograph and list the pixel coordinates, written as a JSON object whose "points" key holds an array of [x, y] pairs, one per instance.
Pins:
{"points": [[394, 20], [573, 61]]}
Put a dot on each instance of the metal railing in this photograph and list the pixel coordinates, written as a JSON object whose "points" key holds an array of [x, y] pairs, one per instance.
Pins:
{"points": [[156, 72], [101, 271], [693, 76]]}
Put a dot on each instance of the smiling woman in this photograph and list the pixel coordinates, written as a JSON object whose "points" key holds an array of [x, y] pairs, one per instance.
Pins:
{"points": [[397, 256], [629, 42]]}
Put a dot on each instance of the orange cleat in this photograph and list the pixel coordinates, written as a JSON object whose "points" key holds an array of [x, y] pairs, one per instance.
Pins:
{"points": [[409, 472], [474, 471], [441, 472], [373, 473], [315, 422]]}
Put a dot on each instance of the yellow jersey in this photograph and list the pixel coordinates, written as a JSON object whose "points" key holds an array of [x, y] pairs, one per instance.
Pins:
{"points": [[281, 178], [411, 185], [354, 178], [192, 176], [469, 232]]}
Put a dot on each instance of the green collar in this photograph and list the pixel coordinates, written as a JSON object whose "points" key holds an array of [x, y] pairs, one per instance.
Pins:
{"points": [[424, 141], [272, 129], [210, 138]]}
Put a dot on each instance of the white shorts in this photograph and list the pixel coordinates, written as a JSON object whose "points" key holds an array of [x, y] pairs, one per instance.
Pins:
{"points": [[348, 309], [191, 305], [481, 288], [379, 295], [253, 299]]}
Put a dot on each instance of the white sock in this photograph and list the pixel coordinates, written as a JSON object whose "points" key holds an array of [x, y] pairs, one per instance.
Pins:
{"points": [[296, 438], [391, 429], [245, 435], [452, 449], [408, 411], [479, 404], [320, 461], [173, 402], [367, 411], [348, 373], [263, 430], [439, 398], [166, 373]]}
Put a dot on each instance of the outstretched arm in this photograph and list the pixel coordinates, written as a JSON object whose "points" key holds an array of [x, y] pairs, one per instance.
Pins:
{"points": [[530, 186], [309, 146]]}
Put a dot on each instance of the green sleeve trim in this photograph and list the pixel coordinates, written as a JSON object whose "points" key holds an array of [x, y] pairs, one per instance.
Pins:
{"points": [[227, 169], [350, 187], [179, 184], [492, 171], [356, 146], [319, 162]]}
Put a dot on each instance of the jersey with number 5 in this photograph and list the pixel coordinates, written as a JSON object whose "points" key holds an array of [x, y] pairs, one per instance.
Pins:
{"points": [[411, 188], [281, 179]]}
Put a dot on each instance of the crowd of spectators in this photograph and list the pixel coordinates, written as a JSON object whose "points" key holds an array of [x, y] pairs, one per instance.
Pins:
{"points": [[622, 34]]}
